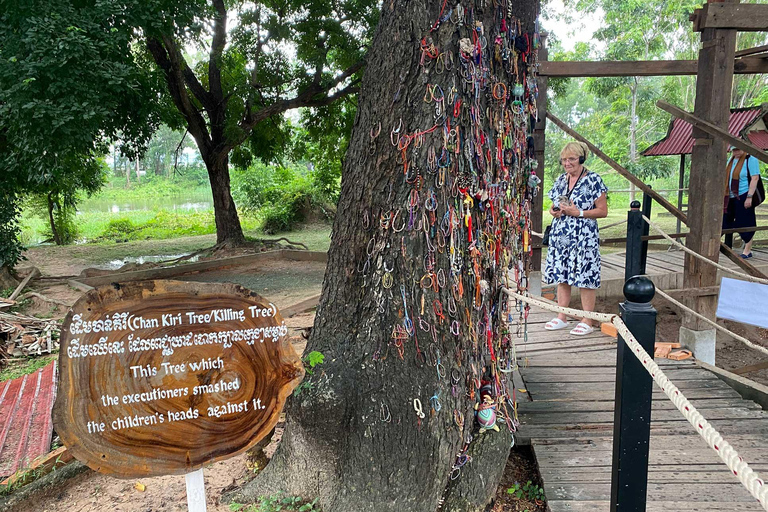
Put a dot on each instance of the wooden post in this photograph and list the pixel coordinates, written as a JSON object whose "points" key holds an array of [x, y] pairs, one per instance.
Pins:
{"points": [[634, 391], [539, 140], [708, 159]]}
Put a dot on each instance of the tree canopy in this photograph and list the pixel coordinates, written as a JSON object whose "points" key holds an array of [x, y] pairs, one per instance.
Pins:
{"points": [[78, 74]]}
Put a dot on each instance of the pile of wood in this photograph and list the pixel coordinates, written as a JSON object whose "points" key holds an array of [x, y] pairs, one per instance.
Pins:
{"points": [[22, 335]]}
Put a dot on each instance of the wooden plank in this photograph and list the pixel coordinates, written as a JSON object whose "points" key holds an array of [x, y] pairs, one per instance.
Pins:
{"points": [[537, 407], [656, 506], [657, 395], [186, 268], [736, 16], [576, 418], [752, 51], [33, 274], [301, 307], [743, 66], [750, 368], [689, 493], [40, 467]]}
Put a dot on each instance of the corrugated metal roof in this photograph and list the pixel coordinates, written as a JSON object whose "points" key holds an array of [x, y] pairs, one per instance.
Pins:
{"points": [[25, 418], [679, 141], [759, 138]]}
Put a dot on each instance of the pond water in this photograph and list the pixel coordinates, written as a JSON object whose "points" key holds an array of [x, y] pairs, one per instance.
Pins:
{"points": [[187, 202], [118, 263]]}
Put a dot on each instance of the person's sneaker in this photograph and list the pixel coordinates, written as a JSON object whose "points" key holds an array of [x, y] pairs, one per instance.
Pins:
{"points": [[746, 256]]}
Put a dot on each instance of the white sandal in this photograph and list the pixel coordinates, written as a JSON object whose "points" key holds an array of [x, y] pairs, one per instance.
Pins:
{"points": [[582, 329], [555, 324]]}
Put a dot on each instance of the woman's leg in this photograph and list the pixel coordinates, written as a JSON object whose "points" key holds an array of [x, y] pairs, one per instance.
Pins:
{"points": [[588, 297], [745, 218], [563, 298]]}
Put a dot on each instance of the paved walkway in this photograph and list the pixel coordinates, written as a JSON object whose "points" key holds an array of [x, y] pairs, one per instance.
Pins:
{"points": [[568, 419]]}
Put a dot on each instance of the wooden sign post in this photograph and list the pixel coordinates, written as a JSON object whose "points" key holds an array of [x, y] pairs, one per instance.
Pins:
{"points": [[164, 377]]}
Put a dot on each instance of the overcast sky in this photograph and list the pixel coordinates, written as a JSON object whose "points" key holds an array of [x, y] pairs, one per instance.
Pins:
{"points": [[566, 25]]}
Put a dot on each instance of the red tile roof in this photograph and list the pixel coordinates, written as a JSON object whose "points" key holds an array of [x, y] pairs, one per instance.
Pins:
{"points": [[679, 141], [26, 425]]}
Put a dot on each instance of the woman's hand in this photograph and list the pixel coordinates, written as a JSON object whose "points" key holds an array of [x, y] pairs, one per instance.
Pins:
{"points": [[571, 210], [748, 203], [555, 213]]}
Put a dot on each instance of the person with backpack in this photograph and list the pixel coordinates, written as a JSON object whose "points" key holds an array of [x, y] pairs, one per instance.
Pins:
{"points": [[744, 191]]}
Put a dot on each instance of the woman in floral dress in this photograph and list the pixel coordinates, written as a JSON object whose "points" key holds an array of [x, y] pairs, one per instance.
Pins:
{"points": [[573, 259]]}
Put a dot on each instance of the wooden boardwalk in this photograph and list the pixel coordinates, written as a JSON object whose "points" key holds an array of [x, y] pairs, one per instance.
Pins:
{"points": [[664, 267], [665, 262], [568, 418]]}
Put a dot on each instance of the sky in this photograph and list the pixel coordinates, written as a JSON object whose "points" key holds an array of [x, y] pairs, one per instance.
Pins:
{"points": [[579, 29]]}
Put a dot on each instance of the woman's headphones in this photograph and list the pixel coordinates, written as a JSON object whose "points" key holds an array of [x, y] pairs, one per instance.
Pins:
{"points": [[584, 152]]}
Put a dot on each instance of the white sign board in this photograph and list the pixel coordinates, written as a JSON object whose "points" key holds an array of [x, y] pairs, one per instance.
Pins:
{"points": [[744, 302]]}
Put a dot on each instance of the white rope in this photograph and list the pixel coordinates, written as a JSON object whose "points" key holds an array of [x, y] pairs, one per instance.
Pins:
{"points": [[696, 255], [749, 478], [713, 324]]}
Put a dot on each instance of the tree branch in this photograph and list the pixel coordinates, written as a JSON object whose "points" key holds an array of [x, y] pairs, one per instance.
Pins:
{"points": [[190, 79], [175, 81], [217, 49]]}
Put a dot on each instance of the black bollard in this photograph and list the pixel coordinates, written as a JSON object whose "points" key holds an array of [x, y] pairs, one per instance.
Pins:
{"points": [[632, 413]]}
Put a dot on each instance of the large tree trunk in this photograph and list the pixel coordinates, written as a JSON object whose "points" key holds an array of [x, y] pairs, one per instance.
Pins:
{"points": [[56, 237], [354, 439], [228, 229]]}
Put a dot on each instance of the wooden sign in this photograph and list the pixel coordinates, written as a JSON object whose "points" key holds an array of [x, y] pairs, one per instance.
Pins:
{"points": [[163, 377]]}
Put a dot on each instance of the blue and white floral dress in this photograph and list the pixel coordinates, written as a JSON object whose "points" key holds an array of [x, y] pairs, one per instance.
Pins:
{"points": [[574, 242]]}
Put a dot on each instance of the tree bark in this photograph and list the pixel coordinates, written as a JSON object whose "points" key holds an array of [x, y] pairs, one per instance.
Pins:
{"points": [[56, 237], [354, 439], [228, 229]]}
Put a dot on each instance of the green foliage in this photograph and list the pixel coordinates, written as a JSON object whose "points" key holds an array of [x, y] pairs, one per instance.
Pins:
{"points": [[25, 366], [528, 491], [10, 245], [278, 502], [310, 361], [314, 358], [119, 229], [282, 197]]}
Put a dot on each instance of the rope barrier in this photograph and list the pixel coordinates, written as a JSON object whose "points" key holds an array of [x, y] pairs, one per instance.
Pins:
{"points": [[749, 478], [713, 324], [698, 256]]}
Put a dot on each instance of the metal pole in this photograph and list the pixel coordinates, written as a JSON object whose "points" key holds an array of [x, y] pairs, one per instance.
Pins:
{"points": [[647, 203], [633, 260], [632, 413]]}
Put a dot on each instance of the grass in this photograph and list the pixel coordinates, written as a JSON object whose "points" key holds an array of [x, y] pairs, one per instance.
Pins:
{"points": [[16, 369]]}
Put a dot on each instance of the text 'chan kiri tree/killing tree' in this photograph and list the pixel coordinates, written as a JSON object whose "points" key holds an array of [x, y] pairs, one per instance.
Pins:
{"points": [[434, 215]]}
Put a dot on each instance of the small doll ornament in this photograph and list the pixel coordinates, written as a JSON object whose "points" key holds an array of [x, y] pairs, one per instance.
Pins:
{"points": [[486, 410]]}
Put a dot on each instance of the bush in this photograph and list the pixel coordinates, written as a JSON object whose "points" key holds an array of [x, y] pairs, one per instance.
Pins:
{"points": [[10, 246], [118, 229], [282, 197]]}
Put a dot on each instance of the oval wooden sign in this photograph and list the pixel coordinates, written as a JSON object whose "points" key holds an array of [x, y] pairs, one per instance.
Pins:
{"points": [[163, 377]]}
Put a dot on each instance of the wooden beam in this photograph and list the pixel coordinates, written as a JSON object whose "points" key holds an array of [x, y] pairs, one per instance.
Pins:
{"points": [[744, 66], [707, 186], [693, 292], [33, 274], [752, 51], [713, 130], [740, 262], [539, 142], [733, 16]]}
